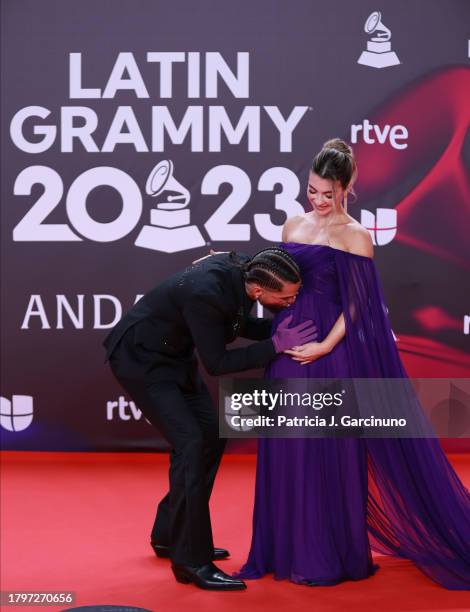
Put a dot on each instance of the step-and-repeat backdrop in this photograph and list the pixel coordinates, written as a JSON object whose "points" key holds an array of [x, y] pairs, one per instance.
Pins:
{"points": [[137, 135]]}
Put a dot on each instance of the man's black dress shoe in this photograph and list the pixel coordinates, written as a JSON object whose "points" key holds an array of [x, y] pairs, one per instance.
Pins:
{"points": [[163, 551], [207, 576]]}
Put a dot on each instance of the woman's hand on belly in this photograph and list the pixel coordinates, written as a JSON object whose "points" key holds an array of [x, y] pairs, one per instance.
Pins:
{"points": [[308, 352]]}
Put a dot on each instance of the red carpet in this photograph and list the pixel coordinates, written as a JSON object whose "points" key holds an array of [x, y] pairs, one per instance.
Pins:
{"points": [[81, 521]]}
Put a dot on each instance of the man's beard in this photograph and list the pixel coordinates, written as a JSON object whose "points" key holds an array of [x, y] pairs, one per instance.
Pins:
{"points": [[273, 309]]}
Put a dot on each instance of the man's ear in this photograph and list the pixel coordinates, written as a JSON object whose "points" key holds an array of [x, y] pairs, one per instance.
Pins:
{"points": [[255, 290]]}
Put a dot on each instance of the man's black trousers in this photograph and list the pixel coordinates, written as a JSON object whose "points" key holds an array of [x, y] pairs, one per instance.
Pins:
{"points": [[187, 419]]}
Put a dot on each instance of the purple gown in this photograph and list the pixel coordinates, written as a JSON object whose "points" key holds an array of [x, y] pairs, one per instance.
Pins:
{"points": [[322, 504]]}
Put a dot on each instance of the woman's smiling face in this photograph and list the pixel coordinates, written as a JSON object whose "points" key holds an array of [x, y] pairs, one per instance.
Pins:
{"points": [[321, 196]]}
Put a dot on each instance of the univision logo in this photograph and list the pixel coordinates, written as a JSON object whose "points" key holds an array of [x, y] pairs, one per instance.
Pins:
{"points": [[17, 414], [382, 226]]}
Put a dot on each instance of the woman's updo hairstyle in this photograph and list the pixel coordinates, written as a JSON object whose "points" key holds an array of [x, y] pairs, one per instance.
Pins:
{"points": [[336, 162]]}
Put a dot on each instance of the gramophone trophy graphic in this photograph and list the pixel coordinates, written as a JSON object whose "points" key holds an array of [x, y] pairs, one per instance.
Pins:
{"points": [[379, 52], [169, 230]]}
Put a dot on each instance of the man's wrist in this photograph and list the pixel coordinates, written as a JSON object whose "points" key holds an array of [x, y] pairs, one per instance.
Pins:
{"points": [[275, 342]]}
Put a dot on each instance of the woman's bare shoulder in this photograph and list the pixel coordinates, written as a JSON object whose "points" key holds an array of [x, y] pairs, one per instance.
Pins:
{"points": [[357, 239], [291, 224]]}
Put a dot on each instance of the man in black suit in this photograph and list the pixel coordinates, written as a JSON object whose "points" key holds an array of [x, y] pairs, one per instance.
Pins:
{"points": [[151, 353]]}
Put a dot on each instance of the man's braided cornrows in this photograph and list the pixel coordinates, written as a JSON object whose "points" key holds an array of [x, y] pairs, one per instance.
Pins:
{"points": [[270, 268]]}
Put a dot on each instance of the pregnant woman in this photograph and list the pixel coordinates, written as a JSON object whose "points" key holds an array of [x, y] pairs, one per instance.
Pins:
{"points": [[322, 504]]}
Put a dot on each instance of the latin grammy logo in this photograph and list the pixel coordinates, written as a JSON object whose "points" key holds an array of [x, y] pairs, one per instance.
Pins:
{"points": [[379, 52], [169, 230]]}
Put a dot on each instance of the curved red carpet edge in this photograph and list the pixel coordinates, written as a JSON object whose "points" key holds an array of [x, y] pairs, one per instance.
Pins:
{"points": [[81, 521]]}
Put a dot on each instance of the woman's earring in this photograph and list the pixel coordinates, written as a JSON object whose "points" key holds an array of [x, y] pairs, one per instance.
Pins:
{"points": [[345, 202]]}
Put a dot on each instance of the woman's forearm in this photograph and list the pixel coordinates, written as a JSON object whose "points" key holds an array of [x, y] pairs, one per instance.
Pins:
{"points": [[336, 333]]}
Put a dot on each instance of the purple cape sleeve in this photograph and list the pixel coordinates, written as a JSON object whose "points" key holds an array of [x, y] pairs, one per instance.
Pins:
{"points": [[418, 508], [370, 343]]}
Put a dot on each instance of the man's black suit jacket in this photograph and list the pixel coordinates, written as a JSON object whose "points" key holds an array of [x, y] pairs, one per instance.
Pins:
{"points": [[204, 307]]}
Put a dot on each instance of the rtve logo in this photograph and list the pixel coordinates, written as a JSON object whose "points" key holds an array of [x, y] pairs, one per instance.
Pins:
{"points": [[125, 411], [17, 414], [371, 133], [382, 226]]}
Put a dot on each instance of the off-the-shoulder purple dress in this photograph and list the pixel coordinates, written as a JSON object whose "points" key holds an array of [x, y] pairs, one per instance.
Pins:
{"points": [[322, 504]]}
